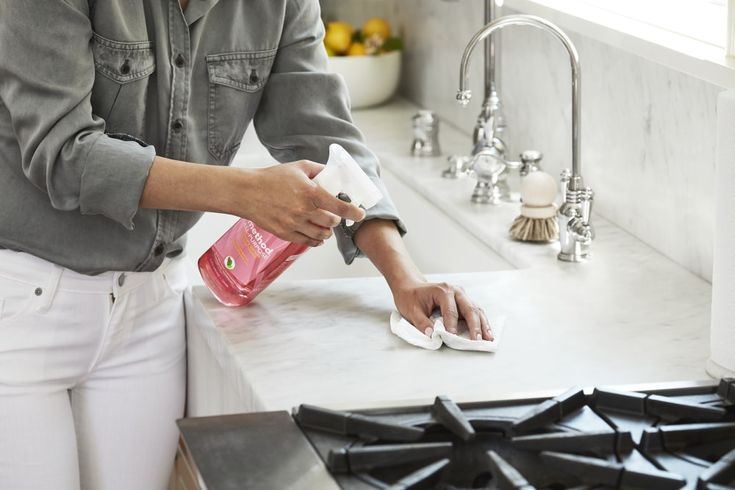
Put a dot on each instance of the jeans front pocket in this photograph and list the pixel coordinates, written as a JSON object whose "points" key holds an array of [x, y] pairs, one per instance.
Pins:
{"points": [[17, 299], [236, 82], [122, 74]]}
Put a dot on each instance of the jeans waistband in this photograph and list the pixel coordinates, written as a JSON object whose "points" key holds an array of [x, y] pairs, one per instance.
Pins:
{"points": [[30, 269]]}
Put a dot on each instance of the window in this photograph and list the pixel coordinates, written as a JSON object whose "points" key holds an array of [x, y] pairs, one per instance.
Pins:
{"points": [[696, 37], [702, 20]]}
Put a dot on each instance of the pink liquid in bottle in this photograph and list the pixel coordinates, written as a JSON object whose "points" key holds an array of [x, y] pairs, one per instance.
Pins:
{"points": [[244, 261]]}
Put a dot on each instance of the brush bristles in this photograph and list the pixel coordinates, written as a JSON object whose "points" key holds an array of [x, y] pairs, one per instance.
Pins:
{"points": [[534, 230]]}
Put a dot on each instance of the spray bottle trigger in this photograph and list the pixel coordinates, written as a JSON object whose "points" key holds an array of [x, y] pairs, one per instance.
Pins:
{"points": [[344, 197]]}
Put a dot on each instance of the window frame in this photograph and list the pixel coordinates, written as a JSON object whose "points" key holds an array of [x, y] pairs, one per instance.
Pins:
{"points": [[679, 52], [674, 16]]}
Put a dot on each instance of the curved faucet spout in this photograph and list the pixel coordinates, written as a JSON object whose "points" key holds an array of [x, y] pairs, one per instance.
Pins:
{"points": [[464, 95]]}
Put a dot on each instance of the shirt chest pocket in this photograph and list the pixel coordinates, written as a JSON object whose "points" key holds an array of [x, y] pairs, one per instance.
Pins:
{"points": [[122, 75], [236, 82]]}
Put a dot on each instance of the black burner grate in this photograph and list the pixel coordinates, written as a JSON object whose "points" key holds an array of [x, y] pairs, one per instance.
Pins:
{"points": [[607, 439]]}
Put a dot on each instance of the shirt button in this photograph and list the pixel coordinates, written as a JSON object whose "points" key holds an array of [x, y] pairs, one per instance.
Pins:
{"points": [[180, 61], [121, 280], [159, 249], [125, 68], [178, 125]]}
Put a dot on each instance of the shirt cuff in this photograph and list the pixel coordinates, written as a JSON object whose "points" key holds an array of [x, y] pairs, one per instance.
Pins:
{"points": [[114, 176], [385, 209]]}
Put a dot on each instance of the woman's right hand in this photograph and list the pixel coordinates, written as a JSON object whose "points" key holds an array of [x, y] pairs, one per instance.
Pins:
{"points": [[285, 201], [281, 199]]}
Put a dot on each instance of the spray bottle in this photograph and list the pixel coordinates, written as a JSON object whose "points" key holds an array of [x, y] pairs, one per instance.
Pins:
{"points": [[246, 259]]}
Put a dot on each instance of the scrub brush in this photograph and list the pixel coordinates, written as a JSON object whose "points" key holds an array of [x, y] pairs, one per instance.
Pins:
{"points": [[537, 222]]}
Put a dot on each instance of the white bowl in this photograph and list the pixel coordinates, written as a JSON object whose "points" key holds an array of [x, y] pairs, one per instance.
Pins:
{"points": [[371, 80]]}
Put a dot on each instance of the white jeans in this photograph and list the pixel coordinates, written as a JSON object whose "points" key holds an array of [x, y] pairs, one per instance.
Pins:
{"points": [[92, 375]]}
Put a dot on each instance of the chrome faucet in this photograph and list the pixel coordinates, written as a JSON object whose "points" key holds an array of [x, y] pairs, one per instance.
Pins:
{"points": [[575, 230], [488, 133], [488, 145]]}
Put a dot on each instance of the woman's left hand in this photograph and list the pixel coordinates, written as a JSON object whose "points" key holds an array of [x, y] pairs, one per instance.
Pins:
{"points": [[418, 300]]}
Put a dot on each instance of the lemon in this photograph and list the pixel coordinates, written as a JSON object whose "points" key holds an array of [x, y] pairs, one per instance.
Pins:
{"points": [[376, 27], [330, 51], [346, 26], [338, 37], [357, 49]]}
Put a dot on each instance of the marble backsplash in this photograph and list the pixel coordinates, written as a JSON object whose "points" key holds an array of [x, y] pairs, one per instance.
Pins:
{"points": [[648, 132]]}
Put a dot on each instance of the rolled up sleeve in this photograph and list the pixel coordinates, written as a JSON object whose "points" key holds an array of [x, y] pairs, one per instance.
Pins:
{"points": [[46, 79], [304, 109]]}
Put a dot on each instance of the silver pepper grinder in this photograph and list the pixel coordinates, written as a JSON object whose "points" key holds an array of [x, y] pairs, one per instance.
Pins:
{"points": [[425, 135]]}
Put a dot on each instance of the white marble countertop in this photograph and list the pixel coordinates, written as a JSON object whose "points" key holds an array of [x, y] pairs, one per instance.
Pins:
{"points": [[630, 315]]}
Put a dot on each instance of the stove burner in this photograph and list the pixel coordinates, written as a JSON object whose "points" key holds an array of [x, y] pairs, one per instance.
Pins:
{"points": [[609, 439]]}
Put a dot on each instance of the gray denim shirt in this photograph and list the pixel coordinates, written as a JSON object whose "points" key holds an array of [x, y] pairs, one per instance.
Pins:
{"points": [[92, 90]]}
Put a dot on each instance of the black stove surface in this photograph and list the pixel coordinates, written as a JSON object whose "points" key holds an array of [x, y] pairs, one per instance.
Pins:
{"points": [[683, 438]]}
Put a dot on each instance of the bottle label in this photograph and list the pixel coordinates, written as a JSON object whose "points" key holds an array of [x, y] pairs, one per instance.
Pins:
{"points": [[247, 249]]}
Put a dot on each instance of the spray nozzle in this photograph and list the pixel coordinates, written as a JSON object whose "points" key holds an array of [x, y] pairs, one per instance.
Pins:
{"points": [[342, 175]]}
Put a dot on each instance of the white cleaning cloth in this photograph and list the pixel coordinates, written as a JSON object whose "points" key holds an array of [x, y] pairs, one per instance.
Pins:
{"points": [[460, 341]]}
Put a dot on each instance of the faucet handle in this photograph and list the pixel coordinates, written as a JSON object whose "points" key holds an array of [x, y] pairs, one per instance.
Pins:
{"points": [[530, 161], [425, 134], [579, 225], [513, 165], [588, 197], [456, 168], [583, 232]]}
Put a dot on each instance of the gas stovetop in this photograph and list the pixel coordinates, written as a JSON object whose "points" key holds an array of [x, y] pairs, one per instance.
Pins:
{"points": [[593, 439]]}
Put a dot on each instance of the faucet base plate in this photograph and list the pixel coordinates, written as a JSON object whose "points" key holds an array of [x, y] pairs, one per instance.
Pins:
{"points": [[486, 193], [574, 257]]}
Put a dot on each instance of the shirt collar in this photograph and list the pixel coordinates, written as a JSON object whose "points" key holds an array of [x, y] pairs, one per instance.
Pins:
{"points": [[197, 8]]}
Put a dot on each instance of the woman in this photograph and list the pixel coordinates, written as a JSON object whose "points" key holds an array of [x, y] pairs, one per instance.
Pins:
{"points": [[117, 121]]}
